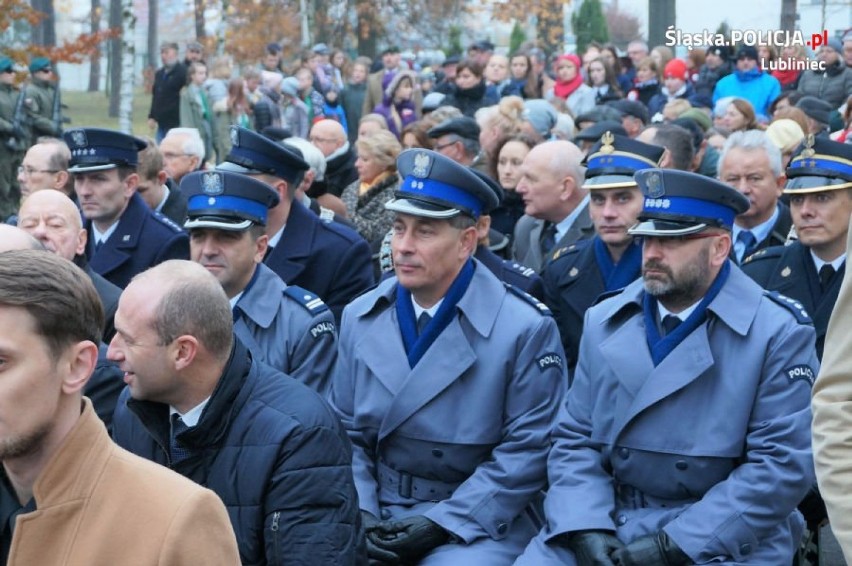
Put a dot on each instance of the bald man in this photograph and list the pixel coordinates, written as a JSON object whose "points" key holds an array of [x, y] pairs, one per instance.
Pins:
{"points": [[54, 220], [105, 385], [556, 206], [330, 138]]}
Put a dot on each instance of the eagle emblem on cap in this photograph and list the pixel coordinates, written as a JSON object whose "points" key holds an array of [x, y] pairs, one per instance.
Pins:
{"points": [[606, 141], [211, 183], [654, 182], [78, 137], [809, 147], [235, 136], [422, 164]]}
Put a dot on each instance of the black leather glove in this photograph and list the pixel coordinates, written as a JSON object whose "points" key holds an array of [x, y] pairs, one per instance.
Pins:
{"points": [[651, 550], [410, 538], [377, 556], [813, 509], [593, 548]]}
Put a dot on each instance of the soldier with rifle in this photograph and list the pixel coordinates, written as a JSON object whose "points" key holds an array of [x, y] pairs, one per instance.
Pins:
{"points": [[43, 103], [12, 137]]}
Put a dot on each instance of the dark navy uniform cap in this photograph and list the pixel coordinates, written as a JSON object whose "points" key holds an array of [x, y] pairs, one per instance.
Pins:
{"points": [[595, 131], [97, 149], [819, 164], [225, 200], [435, 186], [254, 154], [611, 162], [678, 203]]}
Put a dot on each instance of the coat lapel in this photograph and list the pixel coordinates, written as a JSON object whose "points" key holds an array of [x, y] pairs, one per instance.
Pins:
{"points": [[444, 362], [294, 245], [118, 249]]}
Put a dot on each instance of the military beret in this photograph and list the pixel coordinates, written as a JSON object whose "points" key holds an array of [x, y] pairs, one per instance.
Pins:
{"points": [[6, 64], [225, 200], [678, 203], [97, 149], [463, 126], [435, 186], [254, 154], [39, 64], [819, 164], [612, 161]]}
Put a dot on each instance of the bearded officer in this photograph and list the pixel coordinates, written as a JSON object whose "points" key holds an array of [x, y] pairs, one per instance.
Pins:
{"points": [[581, 272], [685, 436], [285, 326], [447, 381]]}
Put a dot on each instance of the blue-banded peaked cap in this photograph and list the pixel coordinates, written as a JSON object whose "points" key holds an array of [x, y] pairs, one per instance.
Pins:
{"points": [[613, 160], [819, 164], [226, 200], [678, 203], [435, 186]]}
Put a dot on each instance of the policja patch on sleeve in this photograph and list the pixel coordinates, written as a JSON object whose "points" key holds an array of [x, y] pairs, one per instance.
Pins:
{"points": [[549, 360], [801, 372]]}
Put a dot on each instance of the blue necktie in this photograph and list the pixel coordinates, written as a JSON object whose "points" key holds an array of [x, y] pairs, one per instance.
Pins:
{"points": [[670, 323], [178, 451], [422, 322], [548, 238], [747, 239], [826, 272], [98, 245]]}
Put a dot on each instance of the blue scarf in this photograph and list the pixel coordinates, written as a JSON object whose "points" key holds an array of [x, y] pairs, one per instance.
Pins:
{"points": [[621, 274], [416, 346], [662, 347]]}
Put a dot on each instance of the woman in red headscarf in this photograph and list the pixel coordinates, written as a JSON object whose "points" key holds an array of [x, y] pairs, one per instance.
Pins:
{"points": [[578, 96]]}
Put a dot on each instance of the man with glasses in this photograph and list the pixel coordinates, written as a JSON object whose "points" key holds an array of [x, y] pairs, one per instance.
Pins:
{"points": [[183, 152], [330, 138], [42, 103], [45, 166], [685, 436], [458, 139]]}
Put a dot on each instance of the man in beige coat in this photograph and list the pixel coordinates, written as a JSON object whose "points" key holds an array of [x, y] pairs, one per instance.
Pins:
{"points": [[832, 417], [68, 495]]}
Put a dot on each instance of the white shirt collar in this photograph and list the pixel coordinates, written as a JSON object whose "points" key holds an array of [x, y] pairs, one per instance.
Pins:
{"points": [[165, 198], [837, 263], [101, 237], [192, 416], [682, 315], [418, 310], [273, 241]]}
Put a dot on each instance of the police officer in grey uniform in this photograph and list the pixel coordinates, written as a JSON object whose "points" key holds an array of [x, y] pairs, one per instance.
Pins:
{"points": [[448, 382], [285, 326], [685, 436]]}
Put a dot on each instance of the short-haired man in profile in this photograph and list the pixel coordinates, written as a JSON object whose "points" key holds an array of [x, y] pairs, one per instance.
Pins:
{"points": [[66, 491]]}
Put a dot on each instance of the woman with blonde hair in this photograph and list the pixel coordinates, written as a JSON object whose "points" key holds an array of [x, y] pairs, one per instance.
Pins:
{"points": [[377, 180], [498, 122]]}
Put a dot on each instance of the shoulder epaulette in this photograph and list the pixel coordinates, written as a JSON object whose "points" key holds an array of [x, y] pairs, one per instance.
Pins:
{"points": [[565, 250], [607, 295], [529, 299], [765, 253], [311, 302], [792, 305], [163, 219], [516, 267]]}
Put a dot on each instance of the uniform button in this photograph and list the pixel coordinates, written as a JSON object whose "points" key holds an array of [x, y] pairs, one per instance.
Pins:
{"points": [[385, 514], [437, 453], [502, 528], [621, 520], [745, 548], [681, 465], [624, 453]]}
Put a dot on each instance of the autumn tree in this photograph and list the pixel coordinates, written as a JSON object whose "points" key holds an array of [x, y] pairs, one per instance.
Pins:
{"points": [[251, 26], [623, 26], [589, 24], [550, 30]]}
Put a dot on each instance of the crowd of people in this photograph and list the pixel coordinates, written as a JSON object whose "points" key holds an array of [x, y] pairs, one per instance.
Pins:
{"points": [[503, 310]]}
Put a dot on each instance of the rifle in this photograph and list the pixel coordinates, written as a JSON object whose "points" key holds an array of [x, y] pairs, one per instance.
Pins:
{"points": [[16, 140], [57, 111]]}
